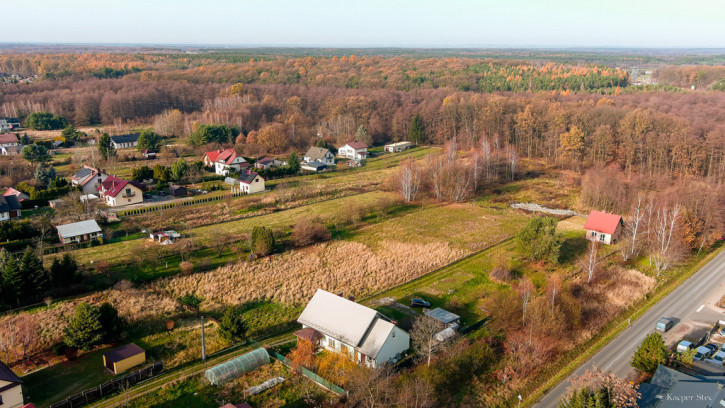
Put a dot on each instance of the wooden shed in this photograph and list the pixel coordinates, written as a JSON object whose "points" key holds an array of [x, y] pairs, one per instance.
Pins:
{"points": [[121, 359]]}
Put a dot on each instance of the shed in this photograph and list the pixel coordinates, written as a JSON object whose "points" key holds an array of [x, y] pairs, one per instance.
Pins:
{"points": [[309, 334], [177, 191], [237, 367], [122, 358], [444, 316]]}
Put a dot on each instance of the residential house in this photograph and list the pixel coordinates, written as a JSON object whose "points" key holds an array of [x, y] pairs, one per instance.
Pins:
{"points": [[177, 191], [313, 166], [10, 208], [165, 237], [209, 158], [17, 193], [353, 330], [11, 389], [319, 154], [88, 179], [670, 388], [147, 154], [9, 144], [81, 231], [604, 227], [398, 147], [228, 160], [268, 162], [8, 124], [117, 192], [250, 182], [354, 150], [125, 141]]}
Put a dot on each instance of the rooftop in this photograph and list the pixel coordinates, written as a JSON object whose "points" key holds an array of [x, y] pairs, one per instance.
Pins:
{"points": [[338, 317], [6, 374], [8, 138], [358, 145], [78, 228], [316, 153], [247, 177], [123, 352], [128, 138], [442, 315], [602, 222]]}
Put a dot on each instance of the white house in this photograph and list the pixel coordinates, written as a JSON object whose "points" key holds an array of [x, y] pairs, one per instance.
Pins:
{"points": [[319, 154], [603, 227], [313, 166], [10, 208], [11, 389], [9, 144], [88, 179], [354, 150], [125, 141], [8, 124], [268, 162], [227, 160], [398, 147], [250, 182], [81, 231], [353, 330], [116, 192]]}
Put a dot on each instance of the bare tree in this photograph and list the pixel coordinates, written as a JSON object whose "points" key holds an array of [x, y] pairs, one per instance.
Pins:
{"points": [[371, 388], [590, 262], [666, 248], [553, 287], [633, 228], [525, 289], [422, 336], [9, 340], [221, 242], [27, 332], [409, 179], [512, 160], [44, 227], [621, 392]]}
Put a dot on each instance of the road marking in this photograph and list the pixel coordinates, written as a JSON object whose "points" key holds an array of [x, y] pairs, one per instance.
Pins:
{"points": [[700, 308]]}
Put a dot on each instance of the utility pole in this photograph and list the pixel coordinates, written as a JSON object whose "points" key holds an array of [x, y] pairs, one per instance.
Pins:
{"points": [[203, 349]]}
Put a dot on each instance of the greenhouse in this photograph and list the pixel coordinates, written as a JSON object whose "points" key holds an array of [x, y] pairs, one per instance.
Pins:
{"points": [[237, 367]]}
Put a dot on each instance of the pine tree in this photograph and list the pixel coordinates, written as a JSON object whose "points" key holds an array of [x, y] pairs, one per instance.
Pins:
{"points": [[41, 176], [262, 241], [105, 147], [31, 268], [64, 271], [232, 327], [417, 130], [13, 283], [111, 323], [650, 354], [178, 170], [362, 135], [293, 162], [84, 328]]}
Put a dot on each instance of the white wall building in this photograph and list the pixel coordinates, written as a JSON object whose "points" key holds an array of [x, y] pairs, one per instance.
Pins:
{"points": [[354, 150], [353, 330], [11, 389], [319, 154]]}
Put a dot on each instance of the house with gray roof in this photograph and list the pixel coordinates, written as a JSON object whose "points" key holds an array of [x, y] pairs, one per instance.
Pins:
{"points": [[319, 154], [82, 231], [353, 330], [10, 207], [670, 388], [124, 141], [11, 390]]}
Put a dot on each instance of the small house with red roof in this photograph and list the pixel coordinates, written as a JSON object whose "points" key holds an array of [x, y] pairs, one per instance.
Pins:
{"points": [[354, 151], [17, 193], [209, 158], [227, 160], [250, 182], [604, 227], [116, 192]]}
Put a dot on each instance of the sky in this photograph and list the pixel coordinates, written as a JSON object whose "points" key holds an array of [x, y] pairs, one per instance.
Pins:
{"points": [[371, 23]]}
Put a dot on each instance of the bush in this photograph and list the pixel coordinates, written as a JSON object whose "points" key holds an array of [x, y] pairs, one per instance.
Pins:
{"points": [[59, 348], [232, 327], [539, 241], [45, 121], [262, 241], [186, 268], [309, 232]]}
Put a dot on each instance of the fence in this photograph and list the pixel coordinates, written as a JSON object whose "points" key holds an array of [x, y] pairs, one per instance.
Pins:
{"points": [[175, 204], [309, 374], [117, 384]]}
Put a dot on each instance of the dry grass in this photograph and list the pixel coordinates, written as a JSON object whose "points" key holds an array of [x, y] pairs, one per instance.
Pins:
{"points": [[575, 223], [293, 277]]}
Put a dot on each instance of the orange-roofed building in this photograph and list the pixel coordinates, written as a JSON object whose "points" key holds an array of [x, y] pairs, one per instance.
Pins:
{"points": [[603, 227]]}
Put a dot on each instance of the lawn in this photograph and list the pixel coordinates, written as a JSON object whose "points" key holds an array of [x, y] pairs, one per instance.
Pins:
{"points": [[67, 378]]}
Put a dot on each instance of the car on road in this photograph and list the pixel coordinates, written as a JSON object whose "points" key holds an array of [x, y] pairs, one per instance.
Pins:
{"points": [[147, 197], [664, 324], [702, 353], [417, 302]]}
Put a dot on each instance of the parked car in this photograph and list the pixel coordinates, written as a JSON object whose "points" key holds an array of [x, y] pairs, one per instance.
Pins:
{"points": [[717, 359], [702, 353], [684, 345], [712, 346], [147, 196], [417, 302], [664, 324]]}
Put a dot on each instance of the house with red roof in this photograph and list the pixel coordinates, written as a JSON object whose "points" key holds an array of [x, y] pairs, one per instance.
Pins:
{"points": [[116, 192], [17, 193], [354, 151], [250, 182], [88, 179], [227, 160], [209, 158], [603, 227]]}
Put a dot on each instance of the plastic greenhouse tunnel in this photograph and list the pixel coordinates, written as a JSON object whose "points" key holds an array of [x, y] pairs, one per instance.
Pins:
{"points": [[237, 367]]}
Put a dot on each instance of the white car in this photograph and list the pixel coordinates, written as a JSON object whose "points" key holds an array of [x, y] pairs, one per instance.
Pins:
{"points": [[718, 359], [702, 353]]}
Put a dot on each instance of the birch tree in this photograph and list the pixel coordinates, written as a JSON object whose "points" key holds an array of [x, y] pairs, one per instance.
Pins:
{"points": [[553, 288], [589, 263], [633, 228], [421, 335], [666, 246], [410, 177], [525, 289]]}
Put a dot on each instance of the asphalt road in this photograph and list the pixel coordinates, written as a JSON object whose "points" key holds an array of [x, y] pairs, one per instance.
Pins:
{"points": [[679, 304]]}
